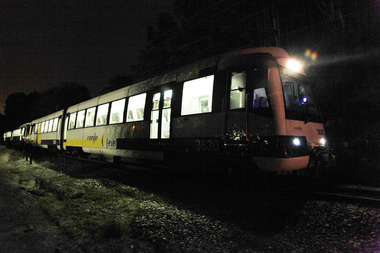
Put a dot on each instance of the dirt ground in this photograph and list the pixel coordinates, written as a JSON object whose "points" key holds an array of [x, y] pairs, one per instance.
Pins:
{"points": [[44, 210], [25, 226], [60, 206]]}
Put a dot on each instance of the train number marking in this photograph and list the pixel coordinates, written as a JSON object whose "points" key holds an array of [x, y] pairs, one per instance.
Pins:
{"points": [[207, 145]]}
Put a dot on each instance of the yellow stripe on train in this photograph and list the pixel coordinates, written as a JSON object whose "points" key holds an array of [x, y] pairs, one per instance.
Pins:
{"points": [[86, 143]]}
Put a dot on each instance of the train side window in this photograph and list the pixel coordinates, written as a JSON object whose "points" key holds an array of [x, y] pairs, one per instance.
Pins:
{"points": [[55, 124], [51, 122], [117, 111], [80, 119], [90, 117], [166, 115], [156, 101], [72, 119], [260, 99], [197, 96], [101, 117], [168, 98], [136, 106], [237, 90], [46, 126], [288, 93]]}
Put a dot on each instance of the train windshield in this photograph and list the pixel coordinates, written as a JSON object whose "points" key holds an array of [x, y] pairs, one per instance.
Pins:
{"points": [[300, 103]]}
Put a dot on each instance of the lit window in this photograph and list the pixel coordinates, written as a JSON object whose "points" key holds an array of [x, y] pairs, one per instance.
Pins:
{"points": [[101, 117], [237, 90], [51, 125], [168, 98], [136, 106], [197, 96], [165, 128], [90, 117], [156, 101], [55, 124], [166, 115], [72, 119], [260, 99], [117, 111], [46, 126], [80, 119]]}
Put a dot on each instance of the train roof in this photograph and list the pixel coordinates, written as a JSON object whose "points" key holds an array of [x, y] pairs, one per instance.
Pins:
{"points": [[48, 117], [181, 74]]}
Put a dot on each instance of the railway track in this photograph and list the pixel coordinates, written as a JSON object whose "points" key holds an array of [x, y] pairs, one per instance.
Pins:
{"points": [[369, 196], [351, 194]]}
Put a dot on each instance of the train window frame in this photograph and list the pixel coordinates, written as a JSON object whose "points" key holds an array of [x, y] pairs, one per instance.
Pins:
{"points": [[89, 117], [46, 126], [166, 114], [238, 90], [55, 124], [51, 122], [80, 119], [117, 108], [102, 114], [139, 111], [191, 93], [260, 99], [297, 109], [72, 120]]}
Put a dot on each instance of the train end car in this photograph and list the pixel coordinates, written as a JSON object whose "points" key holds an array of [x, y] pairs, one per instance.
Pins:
{"points": [[17, 137]]}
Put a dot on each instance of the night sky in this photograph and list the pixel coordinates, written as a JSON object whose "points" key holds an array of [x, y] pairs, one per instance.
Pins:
{"points": [[45, 43]]}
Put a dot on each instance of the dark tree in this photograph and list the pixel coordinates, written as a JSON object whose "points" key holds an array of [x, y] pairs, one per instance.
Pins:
{"points": [[60, 97], [16, 109], [3, 126]]}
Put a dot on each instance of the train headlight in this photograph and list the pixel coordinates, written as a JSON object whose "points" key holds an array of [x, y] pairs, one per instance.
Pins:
{"points": [[322, 141], [294, 65], [296, 142]]}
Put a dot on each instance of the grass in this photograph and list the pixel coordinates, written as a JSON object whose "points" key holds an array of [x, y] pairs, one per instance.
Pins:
{"points": [[86, 209]]}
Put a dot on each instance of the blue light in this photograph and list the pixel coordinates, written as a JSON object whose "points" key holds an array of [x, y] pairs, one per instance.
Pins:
{"points": [[305, 100]]}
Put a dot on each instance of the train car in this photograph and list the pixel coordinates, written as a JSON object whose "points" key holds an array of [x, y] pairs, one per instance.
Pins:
{"points": [[17, 137], [7, 138], [46, 132], [251, 109]]}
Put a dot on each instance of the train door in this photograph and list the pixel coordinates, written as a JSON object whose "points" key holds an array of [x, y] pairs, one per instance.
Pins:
{"points": [[160, 116], [64, 125], [247, 100]]}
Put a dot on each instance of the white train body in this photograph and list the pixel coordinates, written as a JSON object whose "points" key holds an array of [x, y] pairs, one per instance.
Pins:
{"points": [[249, 107]]}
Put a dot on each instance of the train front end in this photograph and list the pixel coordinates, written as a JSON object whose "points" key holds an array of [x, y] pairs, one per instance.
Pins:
{"points": [[273, 117]]}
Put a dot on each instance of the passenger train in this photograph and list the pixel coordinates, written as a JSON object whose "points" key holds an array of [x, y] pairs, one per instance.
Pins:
{"points": [[251, 109]]}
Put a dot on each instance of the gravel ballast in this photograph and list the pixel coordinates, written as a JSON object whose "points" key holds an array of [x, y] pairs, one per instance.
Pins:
{"points": [[88, 208]]}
